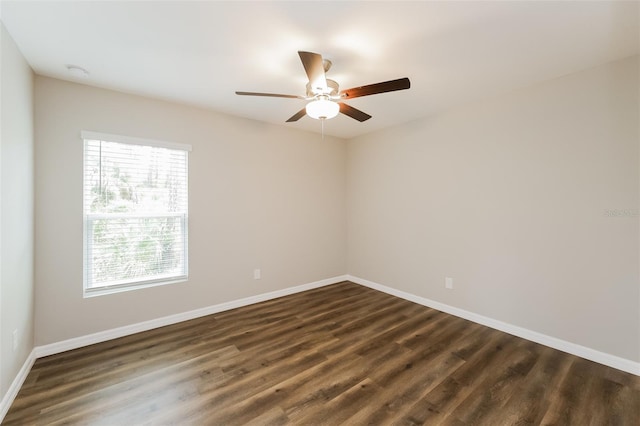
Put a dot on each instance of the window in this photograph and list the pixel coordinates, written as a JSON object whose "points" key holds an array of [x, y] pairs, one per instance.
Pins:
{"points": [[135, 213]]}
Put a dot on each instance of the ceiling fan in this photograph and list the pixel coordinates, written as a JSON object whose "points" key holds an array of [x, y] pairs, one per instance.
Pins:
{"points": [[324, 94]]}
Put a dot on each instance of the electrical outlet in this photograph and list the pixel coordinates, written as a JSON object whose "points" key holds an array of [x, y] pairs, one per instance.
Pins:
{"points": [[256, 274], [15, 339], [448, 283]]}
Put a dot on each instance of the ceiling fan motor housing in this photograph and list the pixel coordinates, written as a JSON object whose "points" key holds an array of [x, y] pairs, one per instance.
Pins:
{"points": [[332, 89]]}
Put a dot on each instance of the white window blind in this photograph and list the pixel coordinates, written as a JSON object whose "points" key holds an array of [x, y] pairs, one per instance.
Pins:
{"points": [[135, 212]]}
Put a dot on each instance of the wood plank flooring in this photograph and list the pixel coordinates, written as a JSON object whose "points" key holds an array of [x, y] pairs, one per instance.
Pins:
{"points": [[341, 354]]}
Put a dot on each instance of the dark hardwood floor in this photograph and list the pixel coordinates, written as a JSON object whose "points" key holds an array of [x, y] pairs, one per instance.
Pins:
{"points": [[342, 354]]}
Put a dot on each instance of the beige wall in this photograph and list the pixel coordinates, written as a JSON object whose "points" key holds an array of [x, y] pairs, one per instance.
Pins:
{"points": [[261, 196], [16, 210], [509, 197]]}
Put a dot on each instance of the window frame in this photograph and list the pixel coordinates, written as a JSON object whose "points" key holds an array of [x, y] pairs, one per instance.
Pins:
{"points": [[90, 218]]}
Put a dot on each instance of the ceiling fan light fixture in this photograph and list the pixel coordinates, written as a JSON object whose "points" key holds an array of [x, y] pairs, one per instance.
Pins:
{"points": [[322, 109]]}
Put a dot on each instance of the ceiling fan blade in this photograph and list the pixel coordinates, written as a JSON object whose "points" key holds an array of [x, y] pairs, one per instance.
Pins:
{"points": [[312, 63], [298, 115], [372, 89], [271, 95], [353, 112]]}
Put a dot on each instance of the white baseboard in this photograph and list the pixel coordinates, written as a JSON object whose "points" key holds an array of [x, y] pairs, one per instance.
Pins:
{"points": [[562, 345], [54, 348], [114, 333], [78, 342], [8, 398]]}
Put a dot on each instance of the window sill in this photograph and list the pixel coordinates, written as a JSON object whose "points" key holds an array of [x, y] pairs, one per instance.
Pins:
{"points": [[102, 291]]}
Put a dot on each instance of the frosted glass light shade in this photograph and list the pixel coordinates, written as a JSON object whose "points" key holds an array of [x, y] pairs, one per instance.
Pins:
{"points": [[322, 108]]}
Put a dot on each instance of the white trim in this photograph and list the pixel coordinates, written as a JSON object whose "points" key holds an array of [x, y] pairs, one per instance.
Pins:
{"points": [[102, 336], [609, 360], [54, 348], [133, 285], [106, 137], [102, 216], [8, 398]]}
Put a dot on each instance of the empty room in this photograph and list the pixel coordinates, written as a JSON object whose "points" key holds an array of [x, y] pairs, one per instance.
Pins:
{"points": [[320, 212]]}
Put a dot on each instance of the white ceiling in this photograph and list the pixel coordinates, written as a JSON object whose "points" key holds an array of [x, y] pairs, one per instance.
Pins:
{"points": [[199, 53]]}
